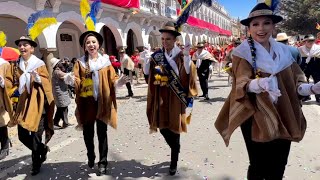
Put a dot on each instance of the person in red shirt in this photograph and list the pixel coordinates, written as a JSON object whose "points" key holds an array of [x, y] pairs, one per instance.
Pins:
{"points": [[115, 63], [137, 67], [318, 39]]}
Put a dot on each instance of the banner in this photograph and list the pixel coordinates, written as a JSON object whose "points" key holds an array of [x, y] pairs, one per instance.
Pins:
{"points": [[123, 3]]}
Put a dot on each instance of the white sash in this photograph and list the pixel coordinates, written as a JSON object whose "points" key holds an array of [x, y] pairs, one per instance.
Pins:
{"points": [[33, 64], [280, 59]]}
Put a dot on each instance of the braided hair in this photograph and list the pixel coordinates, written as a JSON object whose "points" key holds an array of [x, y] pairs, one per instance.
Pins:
{"points": [[254, 56]]}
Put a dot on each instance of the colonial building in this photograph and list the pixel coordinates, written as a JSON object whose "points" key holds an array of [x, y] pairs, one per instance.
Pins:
{"points": [[123, 23]]}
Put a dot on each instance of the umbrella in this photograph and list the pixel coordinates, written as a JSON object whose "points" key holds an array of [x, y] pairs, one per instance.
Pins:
{"points": [[9, 53]]}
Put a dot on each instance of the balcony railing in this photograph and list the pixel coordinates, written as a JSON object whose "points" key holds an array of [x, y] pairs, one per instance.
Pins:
{"points": [[157, 7]]}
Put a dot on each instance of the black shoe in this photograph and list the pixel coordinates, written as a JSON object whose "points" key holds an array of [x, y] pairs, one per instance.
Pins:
{"points": [[91, 163], [57, 124], [65, 125], [4, 153], [173, 168], [35, 170], [5, 142], [201, 96], [130, 95], [102, 169], [306, 98], [206, 97]]}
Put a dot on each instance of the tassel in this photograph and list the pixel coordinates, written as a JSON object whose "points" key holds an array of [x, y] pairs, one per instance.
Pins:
{"points": [[189, 117]]}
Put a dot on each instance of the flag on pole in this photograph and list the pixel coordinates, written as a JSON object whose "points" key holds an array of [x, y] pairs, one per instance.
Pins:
{"points": [[183, 3]]}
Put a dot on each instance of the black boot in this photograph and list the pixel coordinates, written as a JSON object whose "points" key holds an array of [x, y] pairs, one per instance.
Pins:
{"points": [[36, 163], [5, 142], [91, 159], [43, 155], [102, 168], [174, 159]]}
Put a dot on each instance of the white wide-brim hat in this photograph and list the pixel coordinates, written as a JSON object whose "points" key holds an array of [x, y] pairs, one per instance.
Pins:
{"points": [[54, 62], [282, 37]]}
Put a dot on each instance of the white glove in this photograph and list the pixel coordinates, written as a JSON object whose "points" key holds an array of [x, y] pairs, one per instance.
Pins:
{"points": [[316, 88], [122, 81], [259, 85], [36, 76], [69, 79], [230, 65], [1, 82]]}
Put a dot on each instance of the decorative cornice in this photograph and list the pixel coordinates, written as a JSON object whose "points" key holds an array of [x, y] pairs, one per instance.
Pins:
{"points": [[120, 16], [40, 4], [56, 5], [142, 20]]}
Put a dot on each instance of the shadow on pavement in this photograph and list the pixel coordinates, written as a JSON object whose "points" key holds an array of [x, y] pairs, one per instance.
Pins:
{"points": [[4, 163], [127, 169], [221, 99], [310, 103]]}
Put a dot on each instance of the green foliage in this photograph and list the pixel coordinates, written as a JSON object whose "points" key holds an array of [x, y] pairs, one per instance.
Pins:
{"points": [[300, 16]]}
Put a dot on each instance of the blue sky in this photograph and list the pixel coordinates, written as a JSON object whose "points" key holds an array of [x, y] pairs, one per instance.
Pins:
{"points": [[238, 8]]}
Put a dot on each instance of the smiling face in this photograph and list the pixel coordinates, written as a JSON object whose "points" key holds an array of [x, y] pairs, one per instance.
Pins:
{"points": [[25, 49], [168, 40], [261, 29], [91, 45]]}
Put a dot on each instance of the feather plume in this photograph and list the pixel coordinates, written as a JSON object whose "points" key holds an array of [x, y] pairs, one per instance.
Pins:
{"points": [[90, 24], [3, 39], [192, 6], [89, 13], [95, 7], [40, 25], [274, 5], [84, 8], [38, 21]]}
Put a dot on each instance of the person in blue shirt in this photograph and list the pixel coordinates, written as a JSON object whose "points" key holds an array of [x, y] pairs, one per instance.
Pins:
{"points": [[284, 38]]}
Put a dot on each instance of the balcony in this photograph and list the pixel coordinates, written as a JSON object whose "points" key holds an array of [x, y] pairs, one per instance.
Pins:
{"points": [[151, 6], [158, 8], [171, 12]]}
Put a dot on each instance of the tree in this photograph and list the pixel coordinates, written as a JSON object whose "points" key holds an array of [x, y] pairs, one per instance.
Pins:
{"points": [[300, 16]]}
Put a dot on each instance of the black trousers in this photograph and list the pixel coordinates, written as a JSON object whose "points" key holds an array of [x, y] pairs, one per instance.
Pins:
{"points": [[128, 84], [61, 113], [267, 160], [203, 79], [88, 134], [33, 141], [173, 140]]}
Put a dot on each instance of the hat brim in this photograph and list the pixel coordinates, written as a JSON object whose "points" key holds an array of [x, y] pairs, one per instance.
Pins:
{"points": [[309, 39], [96, 34], [55, 63], [32, 43], [275, 19], [175, 33]]}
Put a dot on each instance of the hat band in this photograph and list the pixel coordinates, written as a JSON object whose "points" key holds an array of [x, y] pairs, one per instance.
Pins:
{"points": [[169, 28], [263, 12]]}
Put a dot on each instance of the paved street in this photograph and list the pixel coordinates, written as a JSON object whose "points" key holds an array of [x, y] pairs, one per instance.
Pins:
{"points": [[135, 154]]}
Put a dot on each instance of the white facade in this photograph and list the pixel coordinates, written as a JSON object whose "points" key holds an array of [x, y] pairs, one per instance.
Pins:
{"points": [[119, 26]]}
